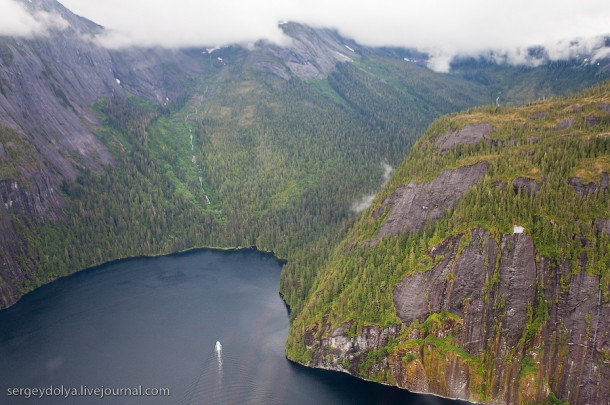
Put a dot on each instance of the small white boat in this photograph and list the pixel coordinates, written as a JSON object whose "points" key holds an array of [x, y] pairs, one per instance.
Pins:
{"points": [[218, 347]]}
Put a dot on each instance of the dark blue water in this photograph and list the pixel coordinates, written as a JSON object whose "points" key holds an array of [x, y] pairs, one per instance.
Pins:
{"points": [[153, 323]]}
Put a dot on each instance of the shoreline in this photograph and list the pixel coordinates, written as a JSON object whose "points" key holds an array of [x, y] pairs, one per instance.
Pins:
{"points": [[343, 371], [236, 249]]}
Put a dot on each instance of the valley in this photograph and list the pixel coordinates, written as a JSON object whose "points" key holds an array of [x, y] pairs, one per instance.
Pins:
{"points": [[107, 154]]}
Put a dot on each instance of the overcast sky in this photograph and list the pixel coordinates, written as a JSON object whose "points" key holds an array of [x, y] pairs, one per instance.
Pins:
{"points": [[443, 27]]}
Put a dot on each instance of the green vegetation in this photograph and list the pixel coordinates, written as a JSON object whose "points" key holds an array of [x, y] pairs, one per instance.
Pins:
{"points": [[356, 283], [272, 163], [249, 159]]}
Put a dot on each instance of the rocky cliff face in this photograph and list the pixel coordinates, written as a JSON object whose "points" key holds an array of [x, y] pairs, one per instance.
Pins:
{"points": [[470, 134], [497, 272], [48, 84], [499, 289], [413, 205], [500, 300]]}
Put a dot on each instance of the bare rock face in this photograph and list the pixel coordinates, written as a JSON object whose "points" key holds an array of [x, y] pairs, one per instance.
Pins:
{"points": [[539, 115], [603, 226], [605, 107], [413, 205], [311, 54], [592, 120], [339, 350], [565, 124], [469, 135], [493, 288], [586, 189], [34, 200], [526, 185], [456, 283]]}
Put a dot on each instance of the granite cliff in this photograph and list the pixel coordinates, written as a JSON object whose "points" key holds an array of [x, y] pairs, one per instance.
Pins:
{"points": [[480, 291], [50, 125], [479, 272], [48, 84]]}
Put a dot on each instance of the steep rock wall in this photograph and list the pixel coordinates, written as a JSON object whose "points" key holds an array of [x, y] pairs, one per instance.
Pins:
{"points": [[492, 321], [414, 204]]}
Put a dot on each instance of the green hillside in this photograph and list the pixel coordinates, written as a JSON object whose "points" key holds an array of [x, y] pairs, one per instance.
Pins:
{"points": [[272, 163], [546, 170]]}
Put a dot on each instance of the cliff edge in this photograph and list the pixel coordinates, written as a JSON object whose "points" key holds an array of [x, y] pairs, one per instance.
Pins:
{"points": [[482, 270]]}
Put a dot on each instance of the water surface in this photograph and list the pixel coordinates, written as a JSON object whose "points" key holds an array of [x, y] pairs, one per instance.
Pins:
{"points": [[154, 323]]}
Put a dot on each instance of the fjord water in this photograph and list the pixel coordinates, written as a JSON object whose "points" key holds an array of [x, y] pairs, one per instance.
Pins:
{"points": [[208, 325]]}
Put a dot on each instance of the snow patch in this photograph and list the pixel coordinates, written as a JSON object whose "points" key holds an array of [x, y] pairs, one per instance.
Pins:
{"points": [[117, 81], [351, 49]]}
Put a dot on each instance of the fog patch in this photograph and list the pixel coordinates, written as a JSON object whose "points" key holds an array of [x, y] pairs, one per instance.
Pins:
{"points": [[466, 28], [367, 199], [17, 21], [387, 172], [364, 203]]}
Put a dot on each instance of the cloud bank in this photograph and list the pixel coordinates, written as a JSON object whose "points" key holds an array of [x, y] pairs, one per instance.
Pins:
{"points": [[443, 28], [15, 20]]}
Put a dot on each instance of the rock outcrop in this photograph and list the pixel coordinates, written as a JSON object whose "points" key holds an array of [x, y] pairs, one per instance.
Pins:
{"points": [[341, 352], [486, 296], [468, 135], [602, 226], [48, 84], [592, 120], [566, 123], [414, 204], [526, 185], [539, 115], [586, 189]]}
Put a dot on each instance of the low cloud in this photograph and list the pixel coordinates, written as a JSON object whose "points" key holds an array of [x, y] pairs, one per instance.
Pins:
{"points": [[16, 20], [181, 23], [367, 200], [442, 28], [444, 25], [363, 204], [387, 171], [594, 47]]}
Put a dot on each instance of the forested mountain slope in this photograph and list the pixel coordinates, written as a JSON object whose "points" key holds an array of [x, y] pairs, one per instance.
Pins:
{"points": [[109, 154], [482, 270], [106, 154]]}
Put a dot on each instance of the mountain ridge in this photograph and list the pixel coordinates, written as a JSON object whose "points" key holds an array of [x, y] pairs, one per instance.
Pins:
{"points": [[499, 297], [107, 154]]}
